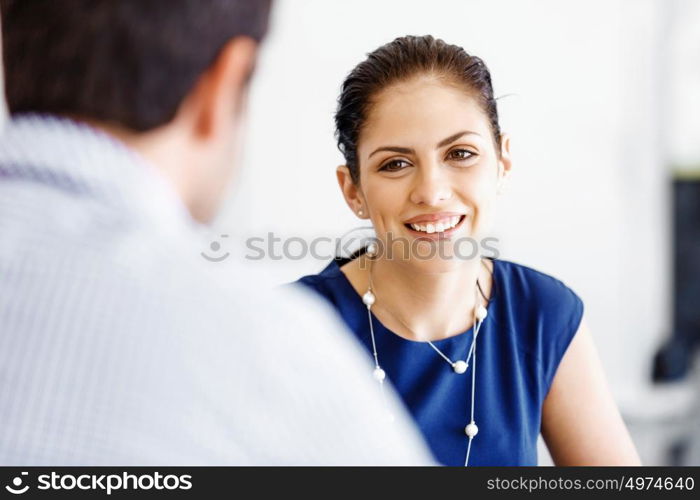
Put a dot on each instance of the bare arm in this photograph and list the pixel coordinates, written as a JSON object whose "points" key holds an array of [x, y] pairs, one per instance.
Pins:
{"points": [[580, 421]]}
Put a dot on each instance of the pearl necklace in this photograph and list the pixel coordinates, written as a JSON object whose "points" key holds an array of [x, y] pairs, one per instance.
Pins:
{"points": [[459, 366]]}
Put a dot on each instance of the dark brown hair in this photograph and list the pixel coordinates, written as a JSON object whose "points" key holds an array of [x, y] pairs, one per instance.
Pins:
{"points": [[406, 57], [130, 62]]}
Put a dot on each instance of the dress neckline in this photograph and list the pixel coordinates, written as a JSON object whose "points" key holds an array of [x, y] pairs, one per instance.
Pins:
{"points": [[333, 270]]}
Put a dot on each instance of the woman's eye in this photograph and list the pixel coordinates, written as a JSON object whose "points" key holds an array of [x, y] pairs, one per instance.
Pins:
{"points": [[394, 165], [460, 154]]}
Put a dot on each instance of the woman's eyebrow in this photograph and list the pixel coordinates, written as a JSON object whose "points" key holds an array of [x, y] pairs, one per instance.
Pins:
{"points": [[395, 149], [406, 151], [454, 137]]}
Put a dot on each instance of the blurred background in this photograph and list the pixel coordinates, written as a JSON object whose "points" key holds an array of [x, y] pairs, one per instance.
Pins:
{"points": [[602, 102]]}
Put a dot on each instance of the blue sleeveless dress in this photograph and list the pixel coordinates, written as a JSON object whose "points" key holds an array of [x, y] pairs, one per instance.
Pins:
{"points": [[532, 318]]}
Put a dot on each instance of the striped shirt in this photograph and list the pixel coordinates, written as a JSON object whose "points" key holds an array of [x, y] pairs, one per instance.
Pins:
{"points": [[120, 345]]}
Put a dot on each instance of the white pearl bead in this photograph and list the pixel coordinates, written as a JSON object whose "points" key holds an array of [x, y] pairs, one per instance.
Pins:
{"points": [[378, 374], [471, 430], [368, 298], [460, 366], [481, 313], [372, 249]]}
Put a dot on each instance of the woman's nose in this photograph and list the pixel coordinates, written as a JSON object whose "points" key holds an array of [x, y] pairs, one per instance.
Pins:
{"points": [[431, 186]]}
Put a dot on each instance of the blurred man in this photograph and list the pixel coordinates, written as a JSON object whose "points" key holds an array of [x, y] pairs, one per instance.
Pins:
{"points": [[118, 345]]}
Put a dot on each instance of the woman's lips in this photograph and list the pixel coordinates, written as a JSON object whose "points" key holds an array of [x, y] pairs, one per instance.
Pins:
{"points": [[425, 218], [435, 235]]}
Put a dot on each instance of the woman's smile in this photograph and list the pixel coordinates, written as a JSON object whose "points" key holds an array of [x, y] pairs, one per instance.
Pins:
{"points": [[436, 226]]}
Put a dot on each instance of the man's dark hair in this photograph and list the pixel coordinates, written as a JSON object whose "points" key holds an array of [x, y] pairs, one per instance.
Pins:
{"points": [[129, 62]]}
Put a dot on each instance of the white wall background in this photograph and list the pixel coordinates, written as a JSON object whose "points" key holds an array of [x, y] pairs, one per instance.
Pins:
{"points": [[588, 198]]}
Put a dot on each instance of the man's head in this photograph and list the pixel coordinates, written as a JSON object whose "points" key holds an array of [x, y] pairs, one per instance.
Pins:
{"points": [[168, 77]]}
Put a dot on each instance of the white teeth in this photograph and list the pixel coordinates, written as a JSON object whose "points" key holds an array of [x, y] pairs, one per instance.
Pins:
{"points": [[437, 227]]}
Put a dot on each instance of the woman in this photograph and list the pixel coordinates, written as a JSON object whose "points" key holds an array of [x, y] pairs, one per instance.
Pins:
{"points": [[485, 353]]}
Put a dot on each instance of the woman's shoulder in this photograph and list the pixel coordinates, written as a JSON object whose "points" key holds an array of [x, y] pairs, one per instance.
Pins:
{"points": [[537, 287], [328, 282], [543, 312], [330, 272]]}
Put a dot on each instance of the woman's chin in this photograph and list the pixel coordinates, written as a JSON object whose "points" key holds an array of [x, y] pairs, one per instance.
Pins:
{"points": [[434, 257]]}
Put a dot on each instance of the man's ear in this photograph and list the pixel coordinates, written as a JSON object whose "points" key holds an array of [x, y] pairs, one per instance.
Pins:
{"points": [[505, 164], [219, 95], [351, 192]]}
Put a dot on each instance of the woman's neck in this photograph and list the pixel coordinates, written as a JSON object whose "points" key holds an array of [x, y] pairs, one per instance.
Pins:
{"points": [[418, 304]]}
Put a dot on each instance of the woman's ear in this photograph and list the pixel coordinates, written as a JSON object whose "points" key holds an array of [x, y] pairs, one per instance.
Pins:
{"points": [[505, 164], [351, 192]]}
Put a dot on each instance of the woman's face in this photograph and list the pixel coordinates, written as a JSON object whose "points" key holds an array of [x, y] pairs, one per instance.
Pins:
{"points": [[429, 172]]}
